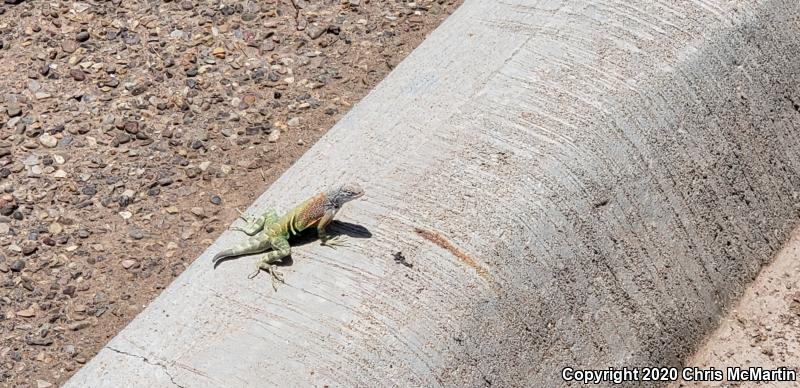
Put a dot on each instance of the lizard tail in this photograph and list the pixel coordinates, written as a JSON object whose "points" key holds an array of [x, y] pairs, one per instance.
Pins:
{"points": [[253, 245]]}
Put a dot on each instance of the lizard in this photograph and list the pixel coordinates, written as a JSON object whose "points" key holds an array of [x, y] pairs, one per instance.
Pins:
{"points": [[271, 232]]}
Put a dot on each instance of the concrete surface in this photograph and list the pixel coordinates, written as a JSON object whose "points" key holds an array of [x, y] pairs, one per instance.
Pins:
{"points": [[593, 184]]}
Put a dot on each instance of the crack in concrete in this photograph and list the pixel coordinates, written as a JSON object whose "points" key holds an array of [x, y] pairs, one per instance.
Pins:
{"points": [[146, 360]]}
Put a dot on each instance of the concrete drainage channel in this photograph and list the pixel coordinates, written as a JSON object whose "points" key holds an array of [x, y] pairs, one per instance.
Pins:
{"points": [[601, 182]]}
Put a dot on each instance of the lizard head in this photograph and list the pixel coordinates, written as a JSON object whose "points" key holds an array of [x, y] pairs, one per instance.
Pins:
{"points": [[345, 193]]}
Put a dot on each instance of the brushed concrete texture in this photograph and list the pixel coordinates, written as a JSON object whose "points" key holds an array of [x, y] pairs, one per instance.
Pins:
{"points": [[576, 183]]}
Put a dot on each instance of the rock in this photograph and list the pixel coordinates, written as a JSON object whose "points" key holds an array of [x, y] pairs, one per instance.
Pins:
{"points": [[69, 47], [29, 248], [216, 200], [68, 290], [77, 74], [60, 174], [48, 141], [29, 312], [82, 36], [128, 263], [274, 136], [13, 110], [354, 3], [17, 265], [55, 228], [192, 171], [43, 384], [315, 31], [136, 233], [4, 228], [125, 214], [199, 212], [39, 341], [80, 324], [293, 122]]}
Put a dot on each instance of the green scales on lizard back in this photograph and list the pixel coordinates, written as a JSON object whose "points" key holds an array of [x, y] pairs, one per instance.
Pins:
{"points": [[271, 232]]}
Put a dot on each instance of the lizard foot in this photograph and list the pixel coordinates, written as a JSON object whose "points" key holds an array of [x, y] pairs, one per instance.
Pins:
{"points": [[246, 217], [275, 276], [338, 241], [273, 272]]}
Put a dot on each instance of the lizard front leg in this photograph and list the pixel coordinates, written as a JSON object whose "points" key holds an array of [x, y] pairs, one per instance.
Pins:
{"points": [[255, 225], [326, 240], [267, 262]]}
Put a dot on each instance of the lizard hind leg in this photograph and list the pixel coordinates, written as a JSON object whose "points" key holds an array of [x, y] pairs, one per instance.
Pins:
{"points": [[255, 225], [267, 262]]}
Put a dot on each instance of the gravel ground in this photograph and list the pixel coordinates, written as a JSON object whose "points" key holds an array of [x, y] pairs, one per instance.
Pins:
{"points": [[130, 130]]}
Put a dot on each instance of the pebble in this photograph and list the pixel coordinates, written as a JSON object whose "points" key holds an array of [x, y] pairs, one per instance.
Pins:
{"points": [[83, 324], [60, 174], [17, 265], [77, 74], [199, 211], [82, 36], [29, 312], [4, 228], [48, 140], [216, 200], [293, 122], [43, 384], [29, 248], [13, 110], [136, 233], [68, 47], [125, 214], [274, 136], [128, 263]]}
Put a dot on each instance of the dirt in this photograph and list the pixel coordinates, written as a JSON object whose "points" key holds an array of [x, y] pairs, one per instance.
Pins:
{"points": [[130, 131], [763, 330]]}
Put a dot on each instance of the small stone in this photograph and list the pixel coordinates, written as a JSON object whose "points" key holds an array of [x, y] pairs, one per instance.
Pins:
{"points": [[203, 166], [136, 234], [81, 324], [13, 110], [199, 211], [293, 122], [315, 32], [354, 3], [192, 171], [68, 290], [77, 74], [39, 341], [82, 36], [17, 265], [128, 263], [55, 228], [216, 200], [274, 136], [125, 214], [218, 52], [29, 312], [43, 384], [29, 248], [68, 47], [42, 95], [60, 174], [4, 228]]}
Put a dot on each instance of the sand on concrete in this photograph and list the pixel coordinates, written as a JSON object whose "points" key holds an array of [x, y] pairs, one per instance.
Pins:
{"points": [[763, 330]]}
